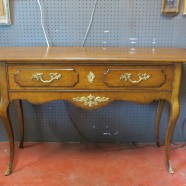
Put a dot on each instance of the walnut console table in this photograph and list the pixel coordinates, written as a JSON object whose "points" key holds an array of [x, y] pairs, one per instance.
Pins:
{"points": [[90, 78]]}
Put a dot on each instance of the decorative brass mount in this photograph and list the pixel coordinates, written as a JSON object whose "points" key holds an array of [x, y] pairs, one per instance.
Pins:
{"points": [[91, 100], [128, 76], [53, 76], [91, 77]]}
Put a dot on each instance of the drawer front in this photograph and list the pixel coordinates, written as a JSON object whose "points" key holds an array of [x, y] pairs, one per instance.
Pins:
{"points": [[40, 77], [90, 77], [136, 78]]}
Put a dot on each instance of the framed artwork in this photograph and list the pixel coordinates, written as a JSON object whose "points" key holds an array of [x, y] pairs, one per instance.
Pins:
{"points": [[4, 12], [184, 8], [170, 7]]}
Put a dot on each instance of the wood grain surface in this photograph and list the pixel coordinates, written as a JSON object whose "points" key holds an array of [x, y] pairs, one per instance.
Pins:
{"points": [[92, 54]]}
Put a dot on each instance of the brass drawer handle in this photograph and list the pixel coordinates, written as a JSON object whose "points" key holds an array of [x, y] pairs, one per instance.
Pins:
{"points": [[90, 100], [39, 77], [128, 76]]}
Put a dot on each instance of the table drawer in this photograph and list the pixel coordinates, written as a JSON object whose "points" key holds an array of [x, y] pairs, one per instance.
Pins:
{"points": [[89, 77], [41, 77], [133, 78]]}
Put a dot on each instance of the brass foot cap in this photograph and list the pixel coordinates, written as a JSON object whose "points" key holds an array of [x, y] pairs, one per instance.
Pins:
{"points": [[8, 172], [170, 168]]}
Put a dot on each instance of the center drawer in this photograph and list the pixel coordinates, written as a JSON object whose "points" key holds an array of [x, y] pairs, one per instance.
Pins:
{"points": [[90, 77]]}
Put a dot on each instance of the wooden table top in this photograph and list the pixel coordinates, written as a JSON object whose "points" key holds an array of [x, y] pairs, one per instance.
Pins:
{"points": [[110, 54]]}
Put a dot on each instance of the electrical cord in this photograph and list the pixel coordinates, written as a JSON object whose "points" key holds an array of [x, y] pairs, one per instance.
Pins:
{"points": [[74, 123], [177, 146], [83, 136], [87, 31], [42, 25], [90, 23], [119, 147], [66, 103]]}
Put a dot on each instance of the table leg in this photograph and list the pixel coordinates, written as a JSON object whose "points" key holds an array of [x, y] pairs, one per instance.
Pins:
{"points": [[174, 113], [175, 108], [158, 119], [4, 116], [8, 127], [19, 111]]}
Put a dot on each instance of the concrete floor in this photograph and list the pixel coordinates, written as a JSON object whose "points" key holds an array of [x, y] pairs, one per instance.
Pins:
{"points": [[59, 164]]}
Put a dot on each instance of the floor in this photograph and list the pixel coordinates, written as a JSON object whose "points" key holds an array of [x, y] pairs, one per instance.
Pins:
{"points": [[64, 164]]}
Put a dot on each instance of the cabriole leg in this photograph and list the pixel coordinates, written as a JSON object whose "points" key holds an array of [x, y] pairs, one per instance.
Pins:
{"points": [[175, 108], [4, 116], [19, 111], [8, 127], [158, 119], [174, 113]]}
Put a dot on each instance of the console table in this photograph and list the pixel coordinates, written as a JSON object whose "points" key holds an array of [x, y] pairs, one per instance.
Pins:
{"points": [[90, 78]]}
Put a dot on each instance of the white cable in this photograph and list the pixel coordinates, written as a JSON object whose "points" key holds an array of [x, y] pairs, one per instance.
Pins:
{"points": [[46, 39], [90, 24]]}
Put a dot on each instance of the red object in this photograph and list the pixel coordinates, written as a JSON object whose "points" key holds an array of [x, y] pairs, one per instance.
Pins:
{"points": [[63, 164]]}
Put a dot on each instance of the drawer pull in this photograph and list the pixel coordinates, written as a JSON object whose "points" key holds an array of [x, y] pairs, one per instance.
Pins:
{"points": [[90, 100], [91, 77], [53, 76], [128, 76]]}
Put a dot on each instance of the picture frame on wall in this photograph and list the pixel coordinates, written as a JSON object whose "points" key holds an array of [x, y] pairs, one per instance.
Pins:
{"points": [[170, 7], [184, 8], [4, 12]]}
